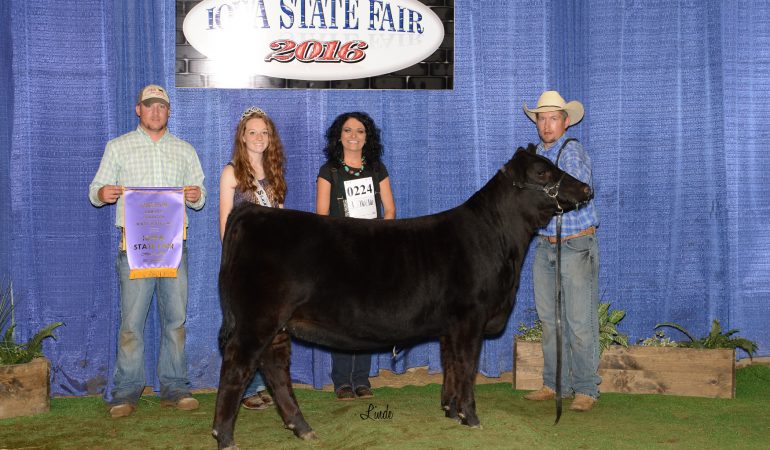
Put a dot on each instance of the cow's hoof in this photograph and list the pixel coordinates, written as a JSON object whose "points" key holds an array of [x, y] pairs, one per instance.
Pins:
{"points": [[309, 436], [470, 420], [220, 447]]}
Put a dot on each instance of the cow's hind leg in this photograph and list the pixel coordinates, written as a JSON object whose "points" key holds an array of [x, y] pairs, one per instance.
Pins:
{"points": [[462, 348], [275, 369], [238, 366]]}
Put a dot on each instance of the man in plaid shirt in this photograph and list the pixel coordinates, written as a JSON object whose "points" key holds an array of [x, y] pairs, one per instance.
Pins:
{"points": [[579, 265], [150, 156]]}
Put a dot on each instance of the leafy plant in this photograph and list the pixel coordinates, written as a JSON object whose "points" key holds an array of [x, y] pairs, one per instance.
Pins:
{"points": [[530, 334], [19, 353], [659, 340], [608, 332], [715, 339]]}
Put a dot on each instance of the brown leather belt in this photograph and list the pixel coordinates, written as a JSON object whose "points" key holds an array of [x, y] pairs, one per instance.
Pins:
{"points": [[586, 232]]}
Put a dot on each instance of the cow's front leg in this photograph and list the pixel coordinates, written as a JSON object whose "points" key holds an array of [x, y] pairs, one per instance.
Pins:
{"points": [[448, 387], [237, 369], [463, 346], [275, 369]]}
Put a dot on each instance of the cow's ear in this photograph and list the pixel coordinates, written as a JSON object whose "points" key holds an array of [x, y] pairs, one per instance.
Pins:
{"points": [[532, 148]]}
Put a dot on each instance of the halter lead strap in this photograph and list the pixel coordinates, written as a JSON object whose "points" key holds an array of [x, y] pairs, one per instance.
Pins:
{"points": [[559, 326], [559, 330]]}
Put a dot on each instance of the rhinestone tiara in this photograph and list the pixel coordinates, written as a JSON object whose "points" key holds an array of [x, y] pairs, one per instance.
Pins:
{"points": [[253, 110]]}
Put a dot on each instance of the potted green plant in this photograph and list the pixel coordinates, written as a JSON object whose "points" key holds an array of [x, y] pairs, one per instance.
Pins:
{"points": [[715, 339], [608, 328], [702, 367], [528, 354], [24, 371]]}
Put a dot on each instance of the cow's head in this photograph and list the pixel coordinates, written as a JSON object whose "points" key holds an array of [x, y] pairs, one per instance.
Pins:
{"points": [[534, 172]]}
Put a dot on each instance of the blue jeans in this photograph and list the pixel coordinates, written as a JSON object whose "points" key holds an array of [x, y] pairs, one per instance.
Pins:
{"points": [[580, 319], [257, 384], [135, 299], [351, 369]]}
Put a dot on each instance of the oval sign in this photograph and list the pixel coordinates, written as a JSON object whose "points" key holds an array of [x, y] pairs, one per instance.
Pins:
{"points": [[313, 39]]}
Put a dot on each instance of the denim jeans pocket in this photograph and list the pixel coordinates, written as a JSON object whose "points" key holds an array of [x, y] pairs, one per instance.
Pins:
{"points": [[580, 244]]}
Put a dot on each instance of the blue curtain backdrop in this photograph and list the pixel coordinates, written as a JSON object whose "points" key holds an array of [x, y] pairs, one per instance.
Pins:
{"points": [[676, 92], [6, 131]]}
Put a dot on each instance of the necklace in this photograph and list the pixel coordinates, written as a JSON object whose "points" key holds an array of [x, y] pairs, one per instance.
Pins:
{"points": [[354, 172]]}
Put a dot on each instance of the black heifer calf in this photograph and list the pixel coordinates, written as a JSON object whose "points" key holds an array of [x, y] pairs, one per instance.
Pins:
{"points": [[371, 284]]}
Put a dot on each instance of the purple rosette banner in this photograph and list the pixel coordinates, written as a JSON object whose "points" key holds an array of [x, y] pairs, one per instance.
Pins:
{"points": [[153, 220]]}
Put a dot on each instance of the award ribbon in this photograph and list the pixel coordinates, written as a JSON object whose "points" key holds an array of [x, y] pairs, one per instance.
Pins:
{"points": [[153, 224]]}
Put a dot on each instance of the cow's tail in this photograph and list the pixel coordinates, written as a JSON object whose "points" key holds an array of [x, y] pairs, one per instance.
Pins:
{"points": [[228, 322], [225, 281]]}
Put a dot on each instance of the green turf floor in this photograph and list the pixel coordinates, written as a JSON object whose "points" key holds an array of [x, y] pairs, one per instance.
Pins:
{"points": [[411, 418]]}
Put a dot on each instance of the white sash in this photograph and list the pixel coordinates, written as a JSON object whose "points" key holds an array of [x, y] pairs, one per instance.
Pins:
{"points": [[261, 195]]}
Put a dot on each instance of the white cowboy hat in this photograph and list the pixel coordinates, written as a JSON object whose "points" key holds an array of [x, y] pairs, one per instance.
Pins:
{"points": [[552, 101]]}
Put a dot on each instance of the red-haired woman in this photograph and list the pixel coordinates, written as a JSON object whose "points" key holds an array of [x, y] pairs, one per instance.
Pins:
{"points": [[255, 174]]}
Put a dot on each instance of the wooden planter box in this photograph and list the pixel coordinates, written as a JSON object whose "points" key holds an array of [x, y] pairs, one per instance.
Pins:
{"points": [[25, 389], [644, 370]]}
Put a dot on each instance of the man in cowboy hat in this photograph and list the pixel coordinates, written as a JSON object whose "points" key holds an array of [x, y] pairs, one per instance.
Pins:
{"points": [[579, 265]]}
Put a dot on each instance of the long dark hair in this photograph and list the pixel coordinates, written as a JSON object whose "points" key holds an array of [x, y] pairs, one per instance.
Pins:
{"points": [[372, 150]]}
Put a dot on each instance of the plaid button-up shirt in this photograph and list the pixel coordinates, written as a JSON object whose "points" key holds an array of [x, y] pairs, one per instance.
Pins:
{"points": [[576, 162], [135, 160]]}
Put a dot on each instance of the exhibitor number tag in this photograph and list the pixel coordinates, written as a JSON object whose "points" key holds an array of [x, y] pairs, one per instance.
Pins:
{"points": [[359, 198]]}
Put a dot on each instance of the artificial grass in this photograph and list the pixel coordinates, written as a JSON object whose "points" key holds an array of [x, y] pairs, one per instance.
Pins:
{"points": [[415, 420]]}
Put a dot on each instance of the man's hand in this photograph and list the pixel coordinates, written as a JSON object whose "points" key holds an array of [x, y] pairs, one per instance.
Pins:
{"points": [[192, 193], [110, 193]]}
